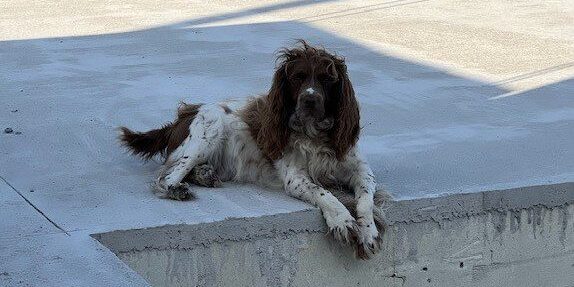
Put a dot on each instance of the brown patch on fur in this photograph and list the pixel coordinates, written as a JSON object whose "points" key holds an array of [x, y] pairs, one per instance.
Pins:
{"points": [[185, 115], [266, 125], [145, 144], [226, 109], [163, 140]]}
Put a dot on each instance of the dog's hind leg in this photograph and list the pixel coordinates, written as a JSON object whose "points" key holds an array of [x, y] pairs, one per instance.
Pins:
{"points": [[205, 140]]}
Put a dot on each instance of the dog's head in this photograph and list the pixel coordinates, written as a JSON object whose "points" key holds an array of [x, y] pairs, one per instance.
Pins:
{"points": [[311, 93]]}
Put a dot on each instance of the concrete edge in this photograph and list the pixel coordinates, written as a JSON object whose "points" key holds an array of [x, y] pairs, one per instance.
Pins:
{"points": [[469, 204], [184, 236], [231, 229]]}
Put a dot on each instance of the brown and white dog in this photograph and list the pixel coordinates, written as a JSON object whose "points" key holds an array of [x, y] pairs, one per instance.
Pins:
{"points": [[301, 136]]}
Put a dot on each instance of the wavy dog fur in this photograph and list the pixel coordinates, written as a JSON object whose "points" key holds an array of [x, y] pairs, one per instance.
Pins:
{"points": [[301, 136]]}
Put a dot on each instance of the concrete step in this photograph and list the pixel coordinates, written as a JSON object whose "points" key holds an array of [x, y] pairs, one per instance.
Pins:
{"points": [[515, 237]]}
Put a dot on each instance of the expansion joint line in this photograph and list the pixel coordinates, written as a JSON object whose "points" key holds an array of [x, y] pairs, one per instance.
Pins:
{"points": [[36, 208]]}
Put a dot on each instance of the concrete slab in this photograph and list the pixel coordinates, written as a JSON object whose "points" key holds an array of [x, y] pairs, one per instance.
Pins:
{"points": [[454, 98], [19, 218], [62, 260], [426, 132]]}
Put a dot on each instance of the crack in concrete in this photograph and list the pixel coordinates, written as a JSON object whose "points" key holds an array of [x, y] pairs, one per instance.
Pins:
{"points": [[35, 207]]}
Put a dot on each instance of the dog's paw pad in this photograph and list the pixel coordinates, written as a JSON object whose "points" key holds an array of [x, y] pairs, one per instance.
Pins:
{"points": [[366, 250], [347, 232], [369, 242], [180, 192]]}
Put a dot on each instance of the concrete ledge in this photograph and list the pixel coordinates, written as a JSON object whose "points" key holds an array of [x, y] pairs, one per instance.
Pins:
{"points": [[183, 236], [479, 239], [464, 205], [406, 211]]}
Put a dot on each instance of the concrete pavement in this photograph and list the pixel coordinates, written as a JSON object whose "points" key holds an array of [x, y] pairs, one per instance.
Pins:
{"points": [[456, 97]]}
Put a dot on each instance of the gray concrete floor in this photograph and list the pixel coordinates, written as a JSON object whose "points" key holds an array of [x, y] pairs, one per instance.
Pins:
{"points": [[456, 97]]}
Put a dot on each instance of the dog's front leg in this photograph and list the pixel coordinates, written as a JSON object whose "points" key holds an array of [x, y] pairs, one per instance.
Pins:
{"points": [[363, 183], [298, 184]]}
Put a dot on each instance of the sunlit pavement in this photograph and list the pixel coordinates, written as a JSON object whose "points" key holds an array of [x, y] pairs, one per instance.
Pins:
{"points": [[456, 97]]}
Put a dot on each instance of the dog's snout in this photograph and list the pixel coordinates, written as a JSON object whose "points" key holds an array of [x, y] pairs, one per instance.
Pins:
{"points": [[310, 99], [309, 102]]}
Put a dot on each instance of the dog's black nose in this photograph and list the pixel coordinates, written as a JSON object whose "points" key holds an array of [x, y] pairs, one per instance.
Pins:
{"points": [[309, 102]]}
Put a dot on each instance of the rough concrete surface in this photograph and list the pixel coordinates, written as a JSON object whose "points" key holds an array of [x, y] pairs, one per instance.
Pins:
{"points": [[480, 239], [456, 97]]}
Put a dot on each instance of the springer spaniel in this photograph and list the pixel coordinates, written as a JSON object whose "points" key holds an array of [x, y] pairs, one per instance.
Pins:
{"points": [[301, 136]]}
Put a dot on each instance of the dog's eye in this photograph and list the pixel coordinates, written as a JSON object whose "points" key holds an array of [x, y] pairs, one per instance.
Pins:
{"points": [[299, 76], [326, 78]]}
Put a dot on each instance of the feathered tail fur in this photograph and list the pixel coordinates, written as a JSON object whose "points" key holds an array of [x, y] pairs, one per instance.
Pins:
{"points": [[163, 140], [146, 144]]}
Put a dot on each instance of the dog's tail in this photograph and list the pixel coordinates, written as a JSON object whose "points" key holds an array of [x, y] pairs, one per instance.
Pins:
{"points": [[146, 144], [163, 140]]}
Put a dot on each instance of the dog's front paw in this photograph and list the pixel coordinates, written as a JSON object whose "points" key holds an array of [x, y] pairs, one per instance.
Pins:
{"points": [[369, 242], [343, 227]]}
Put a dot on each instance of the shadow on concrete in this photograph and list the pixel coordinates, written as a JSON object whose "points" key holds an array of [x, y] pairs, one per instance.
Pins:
{"points": [[425, 131], [555, 100]]}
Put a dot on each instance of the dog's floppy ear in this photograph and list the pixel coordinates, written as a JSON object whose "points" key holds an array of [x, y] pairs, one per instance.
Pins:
{"points": [[346, 129], [273, 135]]}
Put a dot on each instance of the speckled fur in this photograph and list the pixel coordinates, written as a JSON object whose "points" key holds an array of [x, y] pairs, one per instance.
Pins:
{"points": [[275, 141]]}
